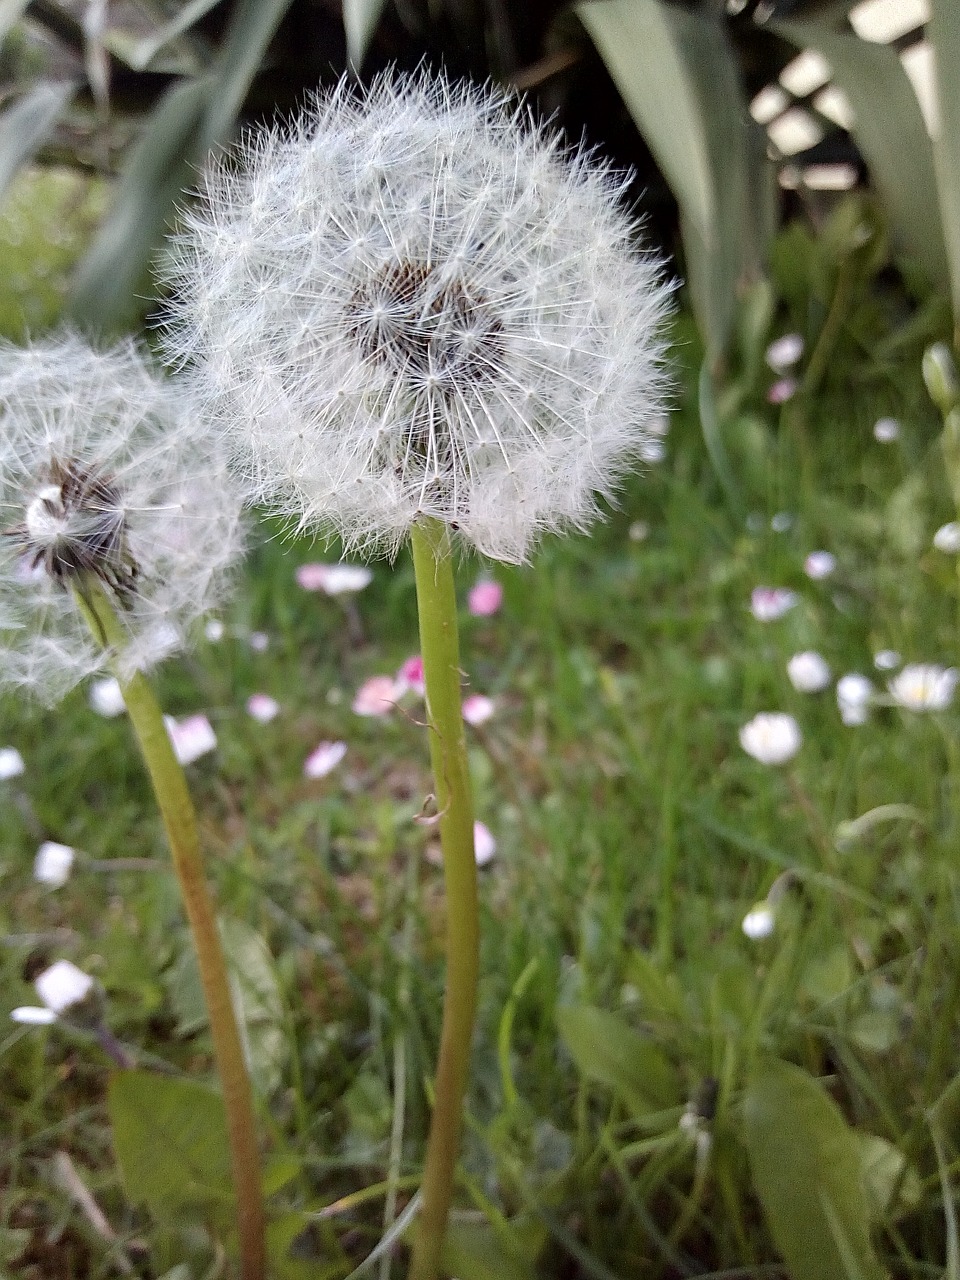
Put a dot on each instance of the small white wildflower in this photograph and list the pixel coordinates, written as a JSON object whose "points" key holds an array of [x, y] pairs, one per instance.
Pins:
{"points": [[259, 641], [772, 737], [784, 352], [767, 604], [106, 473], [759, 921], [924, 687], [63, 985], [478, 708], [53, 863], [106, 697], [781, 521], [30, 1015], [639, 531], [11, 763], [413, 304], [819, 565], [191, 737], [947, 538], [214, 630], [808, 672], [886, 430], [886, 659], [854, 694]]}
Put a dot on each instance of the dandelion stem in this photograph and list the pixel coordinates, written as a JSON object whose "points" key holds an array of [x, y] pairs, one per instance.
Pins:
{"points": [[180, 823], [439, 646]]}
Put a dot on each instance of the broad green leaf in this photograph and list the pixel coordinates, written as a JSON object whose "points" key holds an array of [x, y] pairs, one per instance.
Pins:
{"points": [[609, 1052], [115, 270], [678, 76], [170, 1138], [943, 33], [360, 18], [890, 131], [890, 1183], [24, 126], [807, 1170]]}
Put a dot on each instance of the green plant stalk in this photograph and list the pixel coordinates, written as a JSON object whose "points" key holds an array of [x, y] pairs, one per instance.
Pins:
{"points": [[180, 824], [439, 647]]}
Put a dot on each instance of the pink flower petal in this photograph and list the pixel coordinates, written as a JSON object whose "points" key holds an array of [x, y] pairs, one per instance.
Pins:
{"points": [[485, 598], [484, 845], [410, 676], [333, 579], [376, 696], [478, 708], [262, 707], [191, 738], [782, 390], [324, 759], [769, 603]]}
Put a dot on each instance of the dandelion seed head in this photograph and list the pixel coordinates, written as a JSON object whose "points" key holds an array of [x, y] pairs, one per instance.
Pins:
{"points": [[107, 475], [414, 304]]}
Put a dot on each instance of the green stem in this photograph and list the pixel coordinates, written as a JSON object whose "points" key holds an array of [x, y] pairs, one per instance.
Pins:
{"points": [[437, 605], [180, 823]]}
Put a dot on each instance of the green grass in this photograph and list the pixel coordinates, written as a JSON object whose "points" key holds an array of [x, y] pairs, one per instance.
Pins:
{"points": [[633, 835]]}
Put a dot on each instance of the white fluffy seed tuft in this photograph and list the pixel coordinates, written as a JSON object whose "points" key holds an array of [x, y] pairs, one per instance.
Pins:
{"points": [[413, 303], [105, 473]]}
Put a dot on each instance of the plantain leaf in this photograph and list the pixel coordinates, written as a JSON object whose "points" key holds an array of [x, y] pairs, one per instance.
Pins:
{"points": [[24, 126], [611, 1053], [141, 53], [891, 134], [170, 1138], [679, 78], [107, 283], [943, 32], [252, 26], [360, 18], [807, 1169]]}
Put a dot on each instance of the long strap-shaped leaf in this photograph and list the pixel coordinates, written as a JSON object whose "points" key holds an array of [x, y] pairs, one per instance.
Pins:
{"points": [[24, 126], [943, 32]]}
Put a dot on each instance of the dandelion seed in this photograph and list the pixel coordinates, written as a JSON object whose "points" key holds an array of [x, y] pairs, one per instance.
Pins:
{"points": [[484, 844], [106, 475], [192, 737], [53, 864], [262, 707], [413, 305], [784, 352], [947, 538], [478, 708], [808, 672], [924, 687], [106, 697], [854, 696], [485, 598], [819, 565], [767, 604], [324, 759], [11, 763], [376, 697], [886, 430]]}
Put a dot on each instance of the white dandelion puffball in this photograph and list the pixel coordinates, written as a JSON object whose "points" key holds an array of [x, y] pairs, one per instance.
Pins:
{"points": [[106, 476], [924, 686], [415, 304], [772, 737]]}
